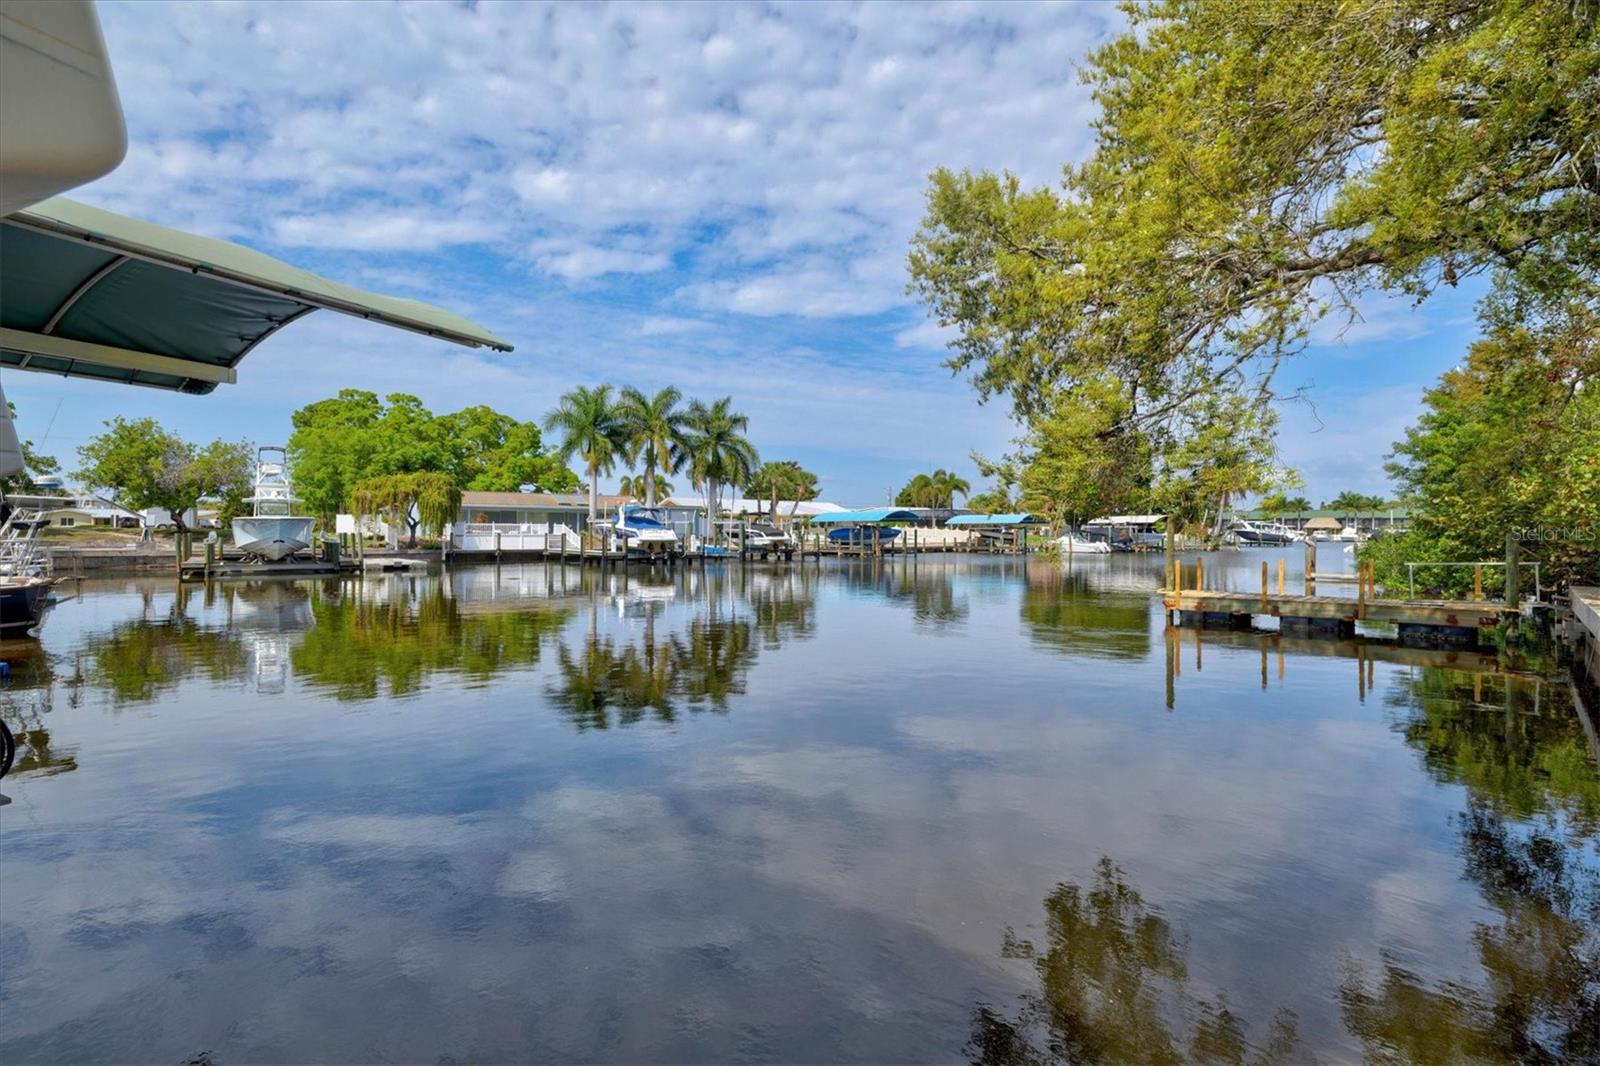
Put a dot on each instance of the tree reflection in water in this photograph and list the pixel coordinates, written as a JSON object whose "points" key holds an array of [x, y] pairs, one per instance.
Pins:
{"points": [[1063, 611], [141, 660], [361, 646], [1111, 973], [1527, 842]]}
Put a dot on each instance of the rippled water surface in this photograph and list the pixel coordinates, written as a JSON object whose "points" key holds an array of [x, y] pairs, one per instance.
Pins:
{"points": [[962, 809]]}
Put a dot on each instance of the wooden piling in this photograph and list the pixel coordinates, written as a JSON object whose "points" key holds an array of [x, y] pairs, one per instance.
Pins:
{"points": [[1311, 568], [1513, 574], [1171, 542], [1263, 611], [1477, 581], [1199, 573], [1281, 569]]}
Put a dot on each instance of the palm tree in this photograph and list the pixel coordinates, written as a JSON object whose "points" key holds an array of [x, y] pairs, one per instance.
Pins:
{"points": [[638, 487], [653, 429], [945, 487], [591, 430], [715, 449]]}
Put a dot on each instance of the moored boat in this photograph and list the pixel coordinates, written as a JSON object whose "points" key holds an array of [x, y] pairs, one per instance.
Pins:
{"points": [[272, 532], [1073, 544], [644, 531]]}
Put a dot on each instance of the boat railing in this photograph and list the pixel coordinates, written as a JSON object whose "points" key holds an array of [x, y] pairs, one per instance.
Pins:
{"points": [[20, 553], [514, 536]]}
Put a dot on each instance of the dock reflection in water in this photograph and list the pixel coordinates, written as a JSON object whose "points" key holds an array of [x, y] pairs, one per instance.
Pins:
{"points": [[955, 808]]}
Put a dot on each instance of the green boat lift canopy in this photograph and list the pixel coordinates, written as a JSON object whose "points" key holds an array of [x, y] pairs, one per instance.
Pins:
{"points": [[1021, 519], [860, 518], [90, 293]]}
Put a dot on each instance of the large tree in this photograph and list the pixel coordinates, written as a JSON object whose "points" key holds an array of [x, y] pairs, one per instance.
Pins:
{"points": [[591, 429], [1508, 443], [716, 450], [938, 489], [355, 436], [782, 479], [422, 501], [145, 466], [1256, 166], [493, 452], [653, 431]]}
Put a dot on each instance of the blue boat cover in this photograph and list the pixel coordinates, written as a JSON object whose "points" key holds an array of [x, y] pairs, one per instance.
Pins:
{"points": [[1020, 519], [871, 514]]}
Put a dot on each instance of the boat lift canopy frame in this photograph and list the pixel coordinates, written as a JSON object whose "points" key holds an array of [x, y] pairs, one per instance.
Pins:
{"points": [[90, 293]]}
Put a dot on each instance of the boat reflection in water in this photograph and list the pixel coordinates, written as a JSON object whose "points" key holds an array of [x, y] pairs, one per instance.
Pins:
{"points": [[868, 810]]}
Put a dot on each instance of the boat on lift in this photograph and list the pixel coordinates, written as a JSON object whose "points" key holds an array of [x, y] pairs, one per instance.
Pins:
{"points": [[644, 531], [1074, 544], [25, 581], [272, 531], [1262, 534]]}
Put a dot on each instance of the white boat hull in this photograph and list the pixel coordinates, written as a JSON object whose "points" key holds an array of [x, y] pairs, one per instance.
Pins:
{"points": [[272, 537], [1071, 545]]}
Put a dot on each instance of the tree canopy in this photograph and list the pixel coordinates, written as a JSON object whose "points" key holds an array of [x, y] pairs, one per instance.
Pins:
{"points": [[716, 450], [145, 466], [355, 436], [421, 501], [1509, 443], [938, 489], [1257, 167], [653, 429], [781, 479], [1349, 500], [592, 428]]}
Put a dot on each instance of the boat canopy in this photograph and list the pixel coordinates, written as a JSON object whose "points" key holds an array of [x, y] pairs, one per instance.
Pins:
{"points": [[871, 514], [1023, 518], [90, 293]]}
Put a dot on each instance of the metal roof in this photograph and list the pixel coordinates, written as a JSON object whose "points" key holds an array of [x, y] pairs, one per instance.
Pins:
{"points": [[871, 514], [1022, 518], [540, 501], [90, 293]]}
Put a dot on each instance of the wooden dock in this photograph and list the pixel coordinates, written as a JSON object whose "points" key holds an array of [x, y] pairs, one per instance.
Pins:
{"points": [[201, 570], [1433, 623]]}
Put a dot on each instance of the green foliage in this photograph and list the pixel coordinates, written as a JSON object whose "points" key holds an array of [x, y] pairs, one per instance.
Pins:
{"points": [[145, 466], [591, 428], [1223, 453], [782, 479], [715, 450], [938, 489], [35, 465], [422, 502], [1348, 501], [1278, 503], [635, 485], [493, 452], [1509, 443], [653, 429], [992, 501], [1255, 165], [354, 435]]}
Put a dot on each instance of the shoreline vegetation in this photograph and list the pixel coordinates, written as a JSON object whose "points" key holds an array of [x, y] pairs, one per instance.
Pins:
{"points": [[1254, 172]]}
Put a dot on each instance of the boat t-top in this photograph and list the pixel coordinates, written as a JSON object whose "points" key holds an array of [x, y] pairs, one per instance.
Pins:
{"points": [[272, 531]]}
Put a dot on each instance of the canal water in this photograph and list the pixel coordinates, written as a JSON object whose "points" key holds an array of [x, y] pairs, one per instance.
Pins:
{"points": [[963, 809]]}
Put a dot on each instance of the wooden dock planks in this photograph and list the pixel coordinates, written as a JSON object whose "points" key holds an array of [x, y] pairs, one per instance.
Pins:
{"points": [[1459, 614]]}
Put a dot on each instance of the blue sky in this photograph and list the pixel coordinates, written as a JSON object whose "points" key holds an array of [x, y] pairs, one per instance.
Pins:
{"points": [[713, 196]]}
